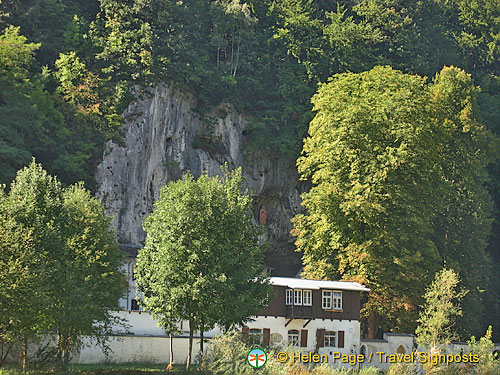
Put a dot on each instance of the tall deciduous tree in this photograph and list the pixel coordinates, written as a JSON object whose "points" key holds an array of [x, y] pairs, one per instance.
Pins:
{"points": [[57, 243], [32, 206], [398, 170], [371, 161], [89, 283], [22, 312], [462, 226], [201, 261]]}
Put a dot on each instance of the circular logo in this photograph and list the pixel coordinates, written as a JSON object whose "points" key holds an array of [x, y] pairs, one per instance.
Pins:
{"points": [[257, 358]]}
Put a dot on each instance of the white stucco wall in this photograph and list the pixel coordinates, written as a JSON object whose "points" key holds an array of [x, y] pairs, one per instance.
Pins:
{"points": [[388, 345], [150, 344], [277, 327], [138, 349], [154, 349], [140, 323]]}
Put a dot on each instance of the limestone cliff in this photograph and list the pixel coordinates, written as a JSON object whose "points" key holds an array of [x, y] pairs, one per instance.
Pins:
{"points": [[163, 138]]}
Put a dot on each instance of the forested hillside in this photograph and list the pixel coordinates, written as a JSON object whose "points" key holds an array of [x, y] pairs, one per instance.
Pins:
{"points": [[66, 69]]}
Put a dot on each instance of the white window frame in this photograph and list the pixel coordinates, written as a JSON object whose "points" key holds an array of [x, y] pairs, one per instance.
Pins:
{"points": [[331, 300], [329, 337], [289, 297], [293, 337], [326, 299], [337, 300], [297, 297], [307, 297]]}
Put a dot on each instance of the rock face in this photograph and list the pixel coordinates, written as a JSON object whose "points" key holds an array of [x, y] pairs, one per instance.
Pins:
{"points": [[163, 138]]}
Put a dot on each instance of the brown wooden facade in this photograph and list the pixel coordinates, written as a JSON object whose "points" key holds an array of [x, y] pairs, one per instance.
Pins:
{"points": [[277, 306]]}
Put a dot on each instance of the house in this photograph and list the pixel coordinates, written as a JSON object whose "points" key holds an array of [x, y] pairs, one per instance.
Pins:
{"points": [[315, 315]]}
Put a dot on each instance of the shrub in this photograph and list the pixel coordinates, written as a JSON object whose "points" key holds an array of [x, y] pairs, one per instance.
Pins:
{"points": [[400, 369], [483, 348], [227, 354]]}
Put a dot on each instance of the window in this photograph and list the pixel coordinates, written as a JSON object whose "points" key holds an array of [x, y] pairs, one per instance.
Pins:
{"points": [[289, 296], [307, 297], [293, 337], [327, 300], [297, 297], [135, 305], [255, 335], [337, 300], [332, 300], [331, 339]]}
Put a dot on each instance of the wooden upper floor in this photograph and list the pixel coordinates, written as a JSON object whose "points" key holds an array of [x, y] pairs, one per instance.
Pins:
{"points": [[313, 299]]}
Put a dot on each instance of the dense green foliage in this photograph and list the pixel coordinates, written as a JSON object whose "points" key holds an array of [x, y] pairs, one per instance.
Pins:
{"points": [[59, 131], [202, 262], [266, 57], [60, 263], [371, 161], [463, 222], [399, 187], [63, 88]]}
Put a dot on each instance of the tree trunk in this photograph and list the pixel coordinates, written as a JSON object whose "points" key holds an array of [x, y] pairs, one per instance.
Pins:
{"points": [[5, 353], [237, 59], [232, 50], [372, 326], [171, 362], [190, 348], [63, 349], [201, 341]]}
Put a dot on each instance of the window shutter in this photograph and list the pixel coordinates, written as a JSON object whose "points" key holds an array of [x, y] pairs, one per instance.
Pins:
{"points": [[245, 330], [303, 338], [341, 339], [320, 338], [266, 336]]}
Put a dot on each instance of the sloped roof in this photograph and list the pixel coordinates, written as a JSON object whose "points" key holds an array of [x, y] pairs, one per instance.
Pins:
{"points": [[295, 283]]}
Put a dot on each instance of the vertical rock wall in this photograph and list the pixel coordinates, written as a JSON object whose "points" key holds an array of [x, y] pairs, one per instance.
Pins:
{"points": [[163, 138]]}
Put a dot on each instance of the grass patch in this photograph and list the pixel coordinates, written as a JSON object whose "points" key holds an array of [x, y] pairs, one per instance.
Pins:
{"points": [[101, 369], [129, 368]]}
